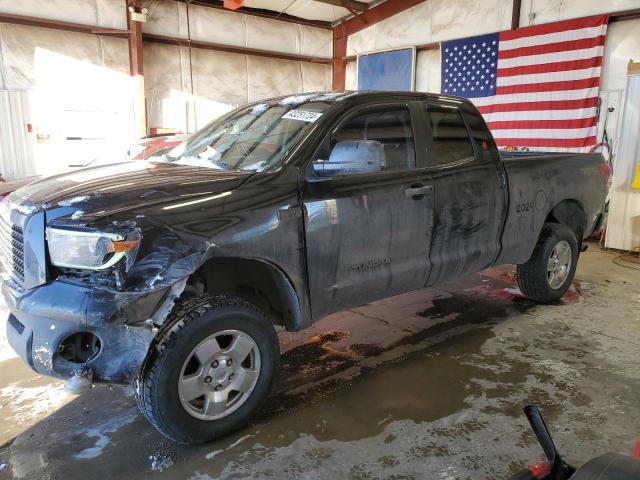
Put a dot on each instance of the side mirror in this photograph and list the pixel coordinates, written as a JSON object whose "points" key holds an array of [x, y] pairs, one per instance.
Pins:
{"points": [[352, 157]]}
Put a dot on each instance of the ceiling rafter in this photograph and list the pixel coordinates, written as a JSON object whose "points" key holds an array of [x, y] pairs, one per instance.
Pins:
{"points": [[351, 5], [261, 12]]}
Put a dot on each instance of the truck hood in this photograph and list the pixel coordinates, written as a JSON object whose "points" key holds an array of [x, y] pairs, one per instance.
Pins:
{"points": [[110, 189]]}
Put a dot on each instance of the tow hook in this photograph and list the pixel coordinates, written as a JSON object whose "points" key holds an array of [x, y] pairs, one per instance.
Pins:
{"points": [[81, 382]]}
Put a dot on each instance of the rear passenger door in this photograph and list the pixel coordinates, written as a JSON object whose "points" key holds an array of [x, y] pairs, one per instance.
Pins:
{"points": [[368, 209], [469, 191]]}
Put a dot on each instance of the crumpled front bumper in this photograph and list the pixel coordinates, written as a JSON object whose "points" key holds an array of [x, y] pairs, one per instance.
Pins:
{"points": [[43, 317]]}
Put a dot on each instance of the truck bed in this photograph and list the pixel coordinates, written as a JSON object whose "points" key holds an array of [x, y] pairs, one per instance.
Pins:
{"points": [[541, 181]]}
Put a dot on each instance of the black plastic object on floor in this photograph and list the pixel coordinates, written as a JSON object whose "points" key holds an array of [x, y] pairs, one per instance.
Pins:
{"points": [[610, 466]]}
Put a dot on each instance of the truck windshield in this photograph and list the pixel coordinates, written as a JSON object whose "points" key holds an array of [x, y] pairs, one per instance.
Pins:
{"points": [[254, 138]]}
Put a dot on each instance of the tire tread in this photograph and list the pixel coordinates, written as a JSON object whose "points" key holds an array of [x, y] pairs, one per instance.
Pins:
{"points": [[183, 313], [531, 275]]}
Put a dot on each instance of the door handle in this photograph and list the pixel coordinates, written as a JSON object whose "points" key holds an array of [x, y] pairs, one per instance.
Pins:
{"points": [[418, 192]]}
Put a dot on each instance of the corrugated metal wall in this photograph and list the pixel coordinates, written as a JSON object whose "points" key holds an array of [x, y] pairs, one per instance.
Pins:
{"points": [[16, 147]]}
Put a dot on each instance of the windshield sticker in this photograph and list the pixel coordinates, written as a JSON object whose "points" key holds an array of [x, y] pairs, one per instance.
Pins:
{"points": [[302, 115]]}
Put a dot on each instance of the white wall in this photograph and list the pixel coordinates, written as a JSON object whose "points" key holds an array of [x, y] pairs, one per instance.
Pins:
{"points": [[102, 13], [429, 22], [440, 20], [545, 11], [75, 85], [212, 25], [433, 21], [78, 85], [623, 226], [222, 80]]}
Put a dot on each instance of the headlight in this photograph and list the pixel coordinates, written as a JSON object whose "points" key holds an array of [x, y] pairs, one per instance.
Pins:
{"points": [[87, 250]]}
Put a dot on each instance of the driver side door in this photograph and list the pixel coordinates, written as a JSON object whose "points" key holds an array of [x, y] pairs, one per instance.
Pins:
{"points": [[368, 209]]}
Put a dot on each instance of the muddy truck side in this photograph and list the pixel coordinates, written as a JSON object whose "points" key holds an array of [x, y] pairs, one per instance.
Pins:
{"points": [[173, 273]]}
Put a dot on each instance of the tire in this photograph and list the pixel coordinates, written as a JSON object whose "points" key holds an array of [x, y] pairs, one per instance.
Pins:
{"points": [[534, 279], [173, 368]]}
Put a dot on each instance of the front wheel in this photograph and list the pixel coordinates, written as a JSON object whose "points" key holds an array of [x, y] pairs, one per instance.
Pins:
{"points": [[550, 270], [210, 369]]}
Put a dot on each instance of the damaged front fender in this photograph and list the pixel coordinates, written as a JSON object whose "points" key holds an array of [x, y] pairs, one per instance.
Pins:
{"points": [[49, 320]]}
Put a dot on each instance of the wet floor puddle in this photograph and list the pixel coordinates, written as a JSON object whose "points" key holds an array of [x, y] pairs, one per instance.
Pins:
{"points": [[421, 377]]}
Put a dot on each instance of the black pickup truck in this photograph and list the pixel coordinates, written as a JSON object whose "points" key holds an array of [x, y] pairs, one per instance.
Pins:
{"points": [[172, 273]]}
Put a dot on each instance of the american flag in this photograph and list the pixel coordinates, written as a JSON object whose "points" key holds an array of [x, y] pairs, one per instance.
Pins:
{"points": [[537, 87]]}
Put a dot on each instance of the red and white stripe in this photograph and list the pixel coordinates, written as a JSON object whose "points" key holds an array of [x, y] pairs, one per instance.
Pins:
{"points": [[547, 86]]}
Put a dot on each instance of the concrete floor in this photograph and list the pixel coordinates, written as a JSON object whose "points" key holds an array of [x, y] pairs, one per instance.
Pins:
{"points": [[424, 385]]}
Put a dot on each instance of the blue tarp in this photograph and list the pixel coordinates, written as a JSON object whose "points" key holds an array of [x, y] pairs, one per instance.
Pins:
{"points": [[388, 71]]}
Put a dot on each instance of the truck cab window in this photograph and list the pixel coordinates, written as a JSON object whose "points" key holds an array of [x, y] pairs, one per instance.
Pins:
{"points": [[480, 133], [450, 135], [376, 140]]}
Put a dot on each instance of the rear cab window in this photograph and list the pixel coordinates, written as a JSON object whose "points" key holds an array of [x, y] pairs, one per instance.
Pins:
{"points": [[485, 144], [451, 140]]}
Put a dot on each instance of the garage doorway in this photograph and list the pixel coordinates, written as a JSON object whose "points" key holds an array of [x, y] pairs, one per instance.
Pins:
{"points": [[16, 139]]}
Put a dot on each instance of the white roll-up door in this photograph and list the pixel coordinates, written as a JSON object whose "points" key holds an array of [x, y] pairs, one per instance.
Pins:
{"points": [[16, 142]]}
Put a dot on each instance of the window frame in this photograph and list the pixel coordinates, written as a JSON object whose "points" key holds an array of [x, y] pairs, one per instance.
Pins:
{"points": [[431, 144], [492, 143], [412, 107]]}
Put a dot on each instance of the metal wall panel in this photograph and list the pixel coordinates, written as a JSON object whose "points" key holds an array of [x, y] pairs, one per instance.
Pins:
{"points": [[545, 11], [308, 10], [315, 77], [623, 227], [622, 44], [232, 28], [351, 82], [433, 21], [100, 13], [80, 100], [16, 144], [428, 71], [221, 81]]}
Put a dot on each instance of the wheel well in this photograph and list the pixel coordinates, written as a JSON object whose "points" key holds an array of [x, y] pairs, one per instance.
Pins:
{"points": [[257, 281], [571, 214]]}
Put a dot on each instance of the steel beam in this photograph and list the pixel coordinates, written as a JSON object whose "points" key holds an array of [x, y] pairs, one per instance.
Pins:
{"points": [[135, 42], [380, 12], [261, 12], [339, 64], [515, 14], [632, 14], [136, 60], [419, 48], [348, 4], [151, 38], [59, 25]]}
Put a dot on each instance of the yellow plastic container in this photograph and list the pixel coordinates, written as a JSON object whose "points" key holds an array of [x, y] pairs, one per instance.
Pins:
{"points": [[636, 181]]}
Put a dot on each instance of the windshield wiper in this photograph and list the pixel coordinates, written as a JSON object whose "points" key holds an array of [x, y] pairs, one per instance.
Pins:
{"points": [[221, 164]]}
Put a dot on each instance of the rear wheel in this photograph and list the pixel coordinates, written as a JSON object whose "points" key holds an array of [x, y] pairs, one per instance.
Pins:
{"points": [[210, 369], [550, 270]]}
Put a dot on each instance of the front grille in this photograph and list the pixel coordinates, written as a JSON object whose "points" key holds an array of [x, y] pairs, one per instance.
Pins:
{"points": [[11, 250]]}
